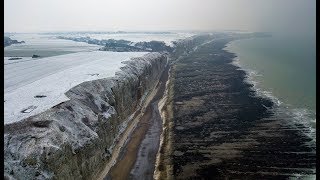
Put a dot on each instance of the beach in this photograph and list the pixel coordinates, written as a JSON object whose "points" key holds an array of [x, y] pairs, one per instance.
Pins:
{"points": [[223, 129]]}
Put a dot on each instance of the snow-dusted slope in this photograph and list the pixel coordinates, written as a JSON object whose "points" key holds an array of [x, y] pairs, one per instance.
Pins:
{"points": [[7, 61], [33, 86], [135, 37], [44, 45], [74, 139]]}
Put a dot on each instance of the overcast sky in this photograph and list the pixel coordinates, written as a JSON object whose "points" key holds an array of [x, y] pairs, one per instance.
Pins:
{"points": [[296, 16]]}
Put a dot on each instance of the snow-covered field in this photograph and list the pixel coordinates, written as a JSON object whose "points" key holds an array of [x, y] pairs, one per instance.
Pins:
{"points": [[7, 61], [135, 37], [47, 45], [32, 86], [44, 45]]}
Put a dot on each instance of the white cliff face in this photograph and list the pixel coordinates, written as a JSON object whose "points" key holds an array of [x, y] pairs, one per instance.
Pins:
{"points": [[74, 138], [35, 85]]}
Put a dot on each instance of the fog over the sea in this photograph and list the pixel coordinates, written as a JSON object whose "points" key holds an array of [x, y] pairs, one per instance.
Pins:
{"points": [[285, 16]]}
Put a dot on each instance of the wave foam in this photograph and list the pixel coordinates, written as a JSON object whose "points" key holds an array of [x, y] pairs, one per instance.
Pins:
{"points": [[302, 116], [250, 79]]}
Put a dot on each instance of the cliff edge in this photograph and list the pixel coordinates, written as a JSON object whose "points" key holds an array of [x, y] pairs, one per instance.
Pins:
{"points": [[75, 139]]}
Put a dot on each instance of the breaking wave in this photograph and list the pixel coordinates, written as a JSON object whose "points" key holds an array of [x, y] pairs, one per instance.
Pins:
{"points": [[301, 116]]}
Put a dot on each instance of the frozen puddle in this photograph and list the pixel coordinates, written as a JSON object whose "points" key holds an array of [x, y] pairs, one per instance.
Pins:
{"points": [[33, 86]]}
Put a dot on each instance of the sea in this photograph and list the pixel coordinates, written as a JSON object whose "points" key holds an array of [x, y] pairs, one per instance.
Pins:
{"points": [[282, 68]]}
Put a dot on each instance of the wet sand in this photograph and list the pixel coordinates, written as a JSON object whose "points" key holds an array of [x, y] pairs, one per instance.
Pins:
{"points": [[137, 157]]}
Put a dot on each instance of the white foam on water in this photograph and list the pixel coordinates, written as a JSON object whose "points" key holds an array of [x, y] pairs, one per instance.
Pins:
{"points": [[250, 78], [305, 117], [301, 116], [303, 176]]}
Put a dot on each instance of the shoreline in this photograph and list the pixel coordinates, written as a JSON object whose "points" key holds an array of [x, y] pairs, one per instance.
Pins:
{"points": [[201, 118], [235, 131], [298, 113]]}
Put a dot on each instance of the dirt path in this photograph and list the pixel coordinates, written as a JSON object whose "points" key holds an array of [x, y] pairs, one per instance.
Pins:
{"points": [[144, 166], [137, 157]]}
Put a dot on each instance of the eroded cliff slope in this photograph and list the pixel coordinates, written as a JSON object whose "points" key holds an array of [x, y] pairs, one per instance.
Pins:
{"points": [[75, 139]]}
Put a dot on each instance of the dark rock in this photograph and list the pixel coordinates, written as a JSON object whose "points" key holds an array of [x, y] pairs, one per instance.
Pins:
{"points": [[14, 58], [35, 56], [227, 130], [40, 96], [8, 41], [42, 124], [123, 45], [62, 128]]}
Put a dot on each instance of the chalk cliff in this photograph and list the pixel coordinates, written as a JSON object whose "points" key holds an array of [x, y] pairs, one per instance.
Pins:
{"points": [[74, 139]]}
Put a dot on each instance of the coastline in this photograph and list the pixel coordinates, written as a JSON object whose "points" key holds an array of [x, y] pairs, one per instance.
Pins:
{"points": [[204, 117], [304, 116], [236, 130]]}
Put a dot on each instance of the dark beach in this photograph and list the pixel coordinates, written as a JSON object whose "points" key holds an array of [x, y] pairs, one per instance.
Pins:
{"points": [[223, 130], [216, 125]]}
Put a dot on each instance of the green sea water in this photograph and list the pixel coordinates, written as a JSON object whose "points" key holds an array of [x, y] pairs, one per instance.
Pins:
{"points": [[285, 67]]}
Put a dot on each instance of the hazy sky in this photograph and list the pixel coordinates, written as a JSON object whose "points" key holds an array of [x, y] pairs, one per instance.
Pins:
{"points": [[103, 15]]}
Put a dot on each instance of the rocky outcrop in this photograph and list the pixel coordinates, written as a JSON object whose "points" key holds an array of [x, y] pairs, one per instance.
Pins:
{"points": [[74, 139], [123, 45], [222, 129], [8, 41], [35, 56]]}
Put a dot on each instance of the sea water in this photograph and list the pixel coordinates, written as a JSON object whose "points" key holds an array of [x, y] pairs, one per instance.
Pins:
{"points": [[284, 69]]}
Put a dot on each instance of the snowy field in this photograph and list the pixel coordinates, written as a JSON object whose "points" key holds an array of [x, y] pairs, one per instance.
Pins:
{"points": [[32, 86], [135, 37], [44, 45], [47, 45], [7, 61]]}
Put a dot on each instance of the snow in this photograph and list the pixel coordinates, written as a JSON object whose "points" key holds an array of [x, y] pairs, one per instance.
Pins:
{"points": [[49, 78], [33, 85], [135, 37], [44, 45]]}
